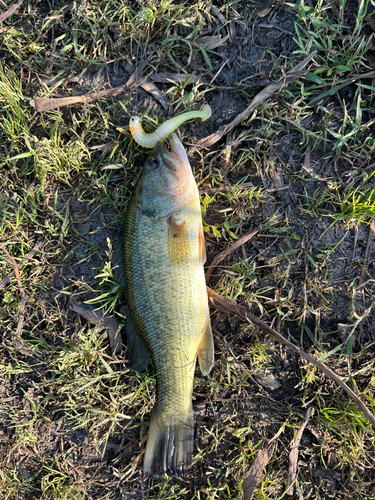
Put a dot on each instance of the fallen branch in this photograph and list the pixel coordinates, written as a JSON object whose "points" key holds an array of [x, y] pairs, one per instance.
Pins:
{"points": [[293, 455], [221, 256], [47, 104], [29, 256], [21, 317], [104, 321], [10, 11], [252, 478], [290, 76], [227, 305]]}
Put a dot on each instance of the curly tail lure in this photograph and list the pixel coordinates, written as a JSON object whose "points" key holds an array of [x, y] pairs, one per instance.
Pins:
{"points": [[165, 129]]}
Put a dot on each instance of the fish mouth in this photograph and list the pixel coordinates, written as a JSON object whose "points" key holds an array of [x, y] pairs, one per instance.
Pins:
{"points": [[176, 157]]}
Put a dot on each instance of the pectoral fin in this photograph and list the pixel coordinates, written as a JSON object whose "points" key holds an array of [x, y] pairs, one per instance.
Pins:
{"points": [[202, 245], [139, 355], [178, 243], [206, 350]]}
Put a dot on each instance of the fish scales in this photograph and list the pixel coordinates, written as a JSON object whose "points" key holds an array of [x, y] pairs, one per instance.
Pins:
{"points": [[165, 296], [169, 308]]}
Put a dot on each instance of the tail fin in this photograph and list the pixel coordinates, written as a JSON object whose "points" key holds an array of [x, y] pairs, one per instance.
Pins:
{"points": [[169, 444]]}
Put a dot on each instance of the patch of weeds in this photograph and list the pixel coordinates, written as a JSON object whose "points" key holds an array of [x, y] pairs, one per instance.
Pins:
{"points": [[358, 206], [55, 160], [95, 396], [14, 128], [110, 281], [345, 429], [56, 482], [317, 202]]}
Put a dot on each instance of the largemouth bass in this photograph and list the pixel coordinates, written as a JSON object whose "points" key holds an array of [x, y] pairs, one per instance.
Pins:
{"points": [[164, 253]]}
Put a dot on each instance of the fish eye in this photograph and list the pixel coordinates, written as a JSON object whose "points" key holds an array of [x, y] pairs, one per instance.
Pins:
{"points": [[154, 163]]}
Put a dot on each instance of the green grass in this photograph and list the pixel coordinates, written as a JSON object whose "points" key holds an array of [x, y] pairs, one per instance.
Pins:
{"points": [[73, 418]]}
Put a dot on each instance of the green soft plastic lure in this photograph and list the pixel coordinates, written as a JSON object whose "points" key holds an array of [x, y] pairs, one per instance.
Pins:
{"points": [[165, 129]]}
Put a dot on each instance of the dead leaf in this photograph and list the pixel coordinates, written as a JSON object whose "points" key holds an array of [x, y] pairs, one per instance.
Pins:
{"points": [[10, 11], [264, 12], [157, 94], [176, 78], [252, 478], [216, 12], [47, 104], [293, 455], [268, 380], [211, 42], [97, 317]]}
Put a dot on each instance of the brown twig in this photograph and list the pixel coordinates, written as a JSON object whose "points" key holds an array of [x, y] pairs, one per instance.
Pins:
{"points": [[252, 478], [290, 76], [29, 256], [221, 256], [10, 11], [227, 305], [293, 455], [21, 317], [47, 104]]}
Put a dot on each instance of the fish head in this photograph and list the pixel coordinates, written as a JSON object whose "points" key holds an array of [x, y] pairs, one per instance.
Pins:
{"points": [[168, 180]]}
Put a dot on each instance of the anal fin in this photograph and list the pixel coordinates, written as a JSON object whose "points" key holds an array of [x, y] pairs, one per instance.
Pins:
{"points": [[206, 350], [139, 355]]}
